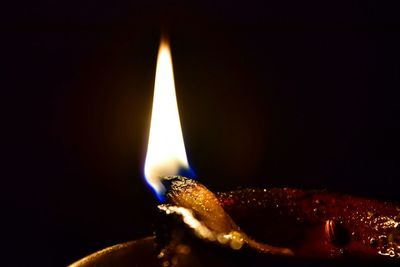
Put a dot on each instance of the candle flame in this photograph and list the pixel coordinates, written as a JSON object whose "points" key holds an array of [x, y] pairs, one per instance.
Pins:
{"points": [[166, 153]]}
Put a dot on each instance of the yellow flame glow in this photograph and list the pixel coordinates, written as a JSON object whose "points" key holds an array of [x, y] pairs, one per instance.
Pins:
{"points": [[166, 153]]}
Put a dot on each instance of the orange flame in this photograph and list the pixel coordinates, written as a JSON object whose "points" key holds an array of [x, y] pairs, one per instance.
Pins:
{"points": [[166, 153]]}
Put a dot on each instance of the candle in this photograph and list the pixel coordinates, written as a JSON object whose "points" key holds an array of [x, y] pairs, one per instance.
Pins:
{"points": [[243, 227], [325, 231]]}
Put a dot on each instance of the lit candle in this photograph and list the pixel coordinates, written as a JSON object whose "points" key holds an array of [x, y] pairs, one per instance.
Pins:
{"points": [[314, 216], [200, 228]]}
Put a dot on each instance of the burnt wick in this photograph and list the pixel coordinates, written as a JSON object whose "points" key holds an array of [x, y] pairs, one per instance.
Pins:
{"points": [[201, 211]]}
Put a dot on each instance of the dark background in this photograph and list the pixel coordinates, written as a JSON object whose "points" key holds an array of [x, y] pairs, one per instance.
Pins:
{"points": [[271, 93]]}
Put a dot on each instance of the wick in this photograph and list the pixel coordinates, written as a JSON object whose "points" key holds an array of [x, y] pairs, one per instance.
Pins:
{"points": [[203, 213]]}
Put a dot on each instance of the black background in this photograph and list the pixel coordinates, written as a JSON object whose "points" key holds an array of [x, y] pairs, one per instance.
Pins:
{"points": [[271, 93]]}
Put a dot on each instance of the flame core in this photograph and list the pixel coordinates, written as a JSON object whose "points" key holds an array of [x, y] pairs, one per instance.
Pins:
{"points": [[166, 153]]}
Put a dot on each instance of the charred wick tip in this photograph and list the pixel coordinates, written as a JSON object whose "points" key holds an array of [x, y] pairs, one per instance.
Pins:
{"points": [[174, 183], [167, 180]]}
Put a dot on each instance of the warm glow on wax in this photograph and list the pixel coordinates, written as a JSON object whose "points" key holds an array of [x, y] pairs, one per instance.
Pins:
{"points": [[166, 153]]}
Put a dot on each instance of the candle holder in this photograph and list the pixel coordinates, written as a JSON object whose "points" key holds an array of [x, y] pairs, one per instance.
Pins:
{"points": [[256, 227], [141, 252]]}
